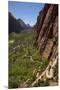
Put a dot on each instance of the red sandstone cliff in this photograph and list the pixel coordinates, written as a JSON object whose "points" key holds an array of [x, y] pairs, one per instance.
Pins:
{"points": [[46, 31], [46, 38]]}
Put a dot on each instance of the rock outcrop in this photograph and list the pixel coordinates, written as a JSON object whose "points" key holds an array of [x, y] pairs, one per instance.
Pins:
{"points": [[46, 35]]}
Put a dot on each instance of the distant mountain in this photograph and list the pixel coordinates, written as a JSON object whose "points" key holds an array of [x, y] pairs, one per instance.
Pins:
{"points": [[28, 26], [25, 26], [16, 25], [22, 23]]}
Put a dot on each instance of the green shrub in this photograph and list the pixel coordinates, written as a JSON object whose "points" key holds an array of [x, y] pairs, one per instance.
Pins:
{"points": [[21, 66]]}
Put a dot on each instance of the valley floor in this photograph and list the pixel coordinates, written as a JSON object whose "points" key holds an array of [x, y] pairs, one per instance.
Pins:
{"points": [[25, 63]]}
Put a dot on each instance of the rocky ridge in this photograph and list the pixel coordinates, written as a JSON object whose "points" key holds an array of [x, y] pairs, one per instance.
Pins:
{"points": [[16, 25]]}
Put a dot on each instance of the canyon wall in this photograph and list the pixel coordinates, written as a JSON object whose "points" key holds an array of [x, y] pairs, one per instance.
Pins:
{"points": [[46, 40], [46, 31]]}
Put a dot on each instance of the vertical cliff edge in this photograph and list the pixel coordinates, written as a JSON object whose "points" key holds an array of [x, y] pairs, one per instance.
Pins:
{"points": [[46, 40]]}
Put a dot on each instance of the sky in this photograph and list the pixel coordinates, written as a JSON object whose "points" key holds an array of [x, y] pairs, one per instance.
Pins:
{"points": [[28, 12]]}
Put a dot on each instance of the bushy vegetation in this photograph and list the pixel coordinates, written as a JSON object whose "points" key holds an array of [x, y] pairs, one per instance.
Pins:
{"points": [[42, 83], [24, 59]]}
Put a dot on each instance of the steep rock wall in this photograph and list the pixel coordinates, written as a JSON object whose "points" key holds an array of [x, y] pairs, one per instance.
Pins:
{"points": [[46, 31], [46, 40]]}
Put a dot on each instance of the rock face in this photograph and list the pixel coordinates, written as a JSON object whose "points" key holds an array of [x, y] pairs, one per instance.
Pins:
{"points": [[16, 25], [22, 23], [46, 31], [46, 37]]}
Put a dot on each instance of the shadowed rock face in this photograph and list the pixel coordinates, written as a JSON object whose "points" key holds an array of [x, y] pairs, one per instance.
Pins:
{"points": [[46, 31], [16, 25]]}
